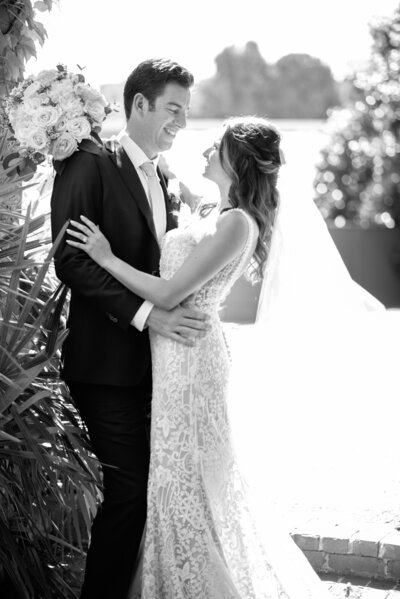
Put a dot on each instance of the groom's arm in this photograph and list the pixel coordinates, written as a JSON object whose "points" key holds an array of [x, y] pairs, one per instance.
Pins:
{"points": [[78, 190]]}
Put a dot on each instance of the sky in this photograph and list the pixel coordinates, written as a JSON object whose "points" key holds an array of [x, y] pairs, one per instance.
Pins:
{"points": [[109, 38]]}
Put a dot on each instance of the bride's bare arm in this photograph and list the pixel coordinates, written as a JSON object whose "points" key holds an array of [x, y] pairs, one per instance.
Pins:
{"points": [[213, 252]]}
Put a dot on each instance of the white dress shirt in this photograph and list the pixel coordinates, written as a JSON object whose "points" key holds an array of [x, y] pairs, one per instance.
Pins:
{"points": [[138, 157]]}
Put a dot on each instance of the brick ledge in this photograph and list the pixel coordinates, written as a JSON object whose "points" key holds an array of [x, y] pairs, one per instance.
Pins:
{"points": [[372, 552]]}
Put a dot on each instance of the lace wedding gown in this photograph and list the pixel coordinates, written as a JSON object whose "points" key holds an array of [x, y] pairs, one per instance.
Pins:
{"points": [[200, 540]]}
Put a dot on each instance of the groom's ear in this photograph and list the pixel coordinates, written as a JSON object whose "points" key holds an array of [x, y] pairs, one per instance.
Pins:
{"points": [[140, 103]]}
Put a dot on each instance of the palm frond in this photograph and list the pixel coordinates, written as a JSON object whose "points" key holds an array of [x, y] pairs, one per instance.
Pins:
{"points": [[50, 483]]}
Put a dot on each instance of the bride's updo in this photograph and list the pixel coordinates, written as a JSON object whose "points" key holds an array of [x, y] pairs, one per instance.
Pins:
{"points": [[249, 154]]}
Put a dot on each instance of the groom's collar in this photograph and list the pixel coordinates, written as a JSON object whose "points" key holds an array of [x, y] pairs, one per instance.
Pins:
{"points": [[135, 152]]}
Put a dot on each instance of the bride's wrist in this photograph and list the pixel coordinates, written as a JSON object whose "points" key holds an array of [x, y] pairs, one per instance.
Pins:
{"points": [[108, 263]]}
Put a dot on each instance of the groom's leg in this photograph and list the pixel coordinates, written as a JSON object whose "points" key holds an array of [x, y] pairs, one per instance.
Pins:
{"points": [[117, 425]]}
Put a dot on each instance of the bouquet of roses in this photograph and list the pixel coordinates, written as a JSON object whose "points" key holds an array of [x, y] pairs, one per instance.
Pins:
{"points": [[52, 112]]}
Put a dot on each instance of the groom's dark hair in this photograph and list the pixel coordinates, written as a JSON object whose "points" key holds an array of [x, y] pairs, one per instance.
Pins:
{"points": [[150, 78]]}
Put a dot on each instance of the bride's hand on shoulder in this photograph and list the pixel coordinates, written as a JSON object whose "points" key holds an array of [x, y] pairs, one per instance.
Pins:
{"points": [[189, 198], [89, 238]]}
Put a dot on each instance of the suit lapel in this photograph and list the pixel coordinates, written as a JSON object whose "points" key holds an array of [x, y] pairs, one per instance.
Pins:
{"points": [[131, 179]]}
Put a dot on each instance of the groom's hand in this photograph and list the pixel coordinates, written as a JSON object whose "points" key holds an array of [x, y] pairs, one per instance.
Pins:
{"points": [[184, 325]]}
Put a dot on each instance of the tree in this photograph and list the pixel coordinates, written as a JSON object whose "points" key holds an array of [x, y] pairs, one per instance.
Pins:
{"points": [[306, 87], [358, 178], [297, 86], [238, 87]]}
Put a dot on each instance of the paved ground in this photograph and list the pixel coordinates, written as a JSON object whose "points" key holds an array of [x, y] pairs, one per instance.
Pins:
{"points": [[330, 458], [327, 445], [353, 588]]}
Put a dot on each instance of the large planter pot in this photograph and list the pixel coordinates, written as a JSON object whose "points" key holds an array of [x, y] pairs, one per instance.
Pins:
{"points": [[372, 257]]}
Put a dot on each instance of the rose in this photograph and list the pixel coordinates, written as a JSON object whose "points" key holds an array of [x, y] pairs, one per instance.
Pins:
{"points": [[79, 127], [37, 139], [22, 129], [45, 116], [89, 94], [60, 90], [32, 104], [86, 92], [72, 107], [17, 113], [61, 124], [95, 109], [31, 90], [64, 146], [46, 78]]}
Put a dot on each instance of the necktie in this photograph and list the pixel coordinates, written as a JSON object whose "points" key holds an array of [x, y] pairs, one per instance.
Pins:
{"points": [[156, 198]]}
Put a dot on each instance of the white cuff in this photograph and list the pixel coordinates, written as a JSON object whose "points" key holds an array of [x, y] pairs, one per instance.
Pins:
{"points": [[140, 318]]}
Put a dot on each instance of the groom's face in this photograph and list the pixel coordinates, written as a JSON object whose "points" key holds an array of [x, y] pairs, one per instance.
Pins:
{"points": [[162, 121]]}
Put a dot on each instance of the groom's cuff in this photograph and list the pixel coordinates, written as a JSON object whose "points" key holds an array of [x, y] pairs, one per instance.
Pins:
{"points": [[140, 318]]}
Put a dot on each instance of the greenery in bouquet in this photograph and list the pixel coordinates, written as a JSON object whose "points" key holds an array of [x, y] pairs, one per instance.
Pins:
{"points": [[53, 112], [358, 177]]}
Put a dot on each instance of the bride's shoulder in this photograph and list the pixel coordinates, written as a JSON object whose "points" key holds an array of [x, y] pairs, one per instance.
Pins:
{"points": [[233, 226], [238, 219]]}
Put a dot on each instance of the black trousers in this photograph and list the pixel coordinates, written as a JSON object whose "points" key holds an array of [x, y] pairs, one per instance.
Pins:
{"points": [[118, 425]]}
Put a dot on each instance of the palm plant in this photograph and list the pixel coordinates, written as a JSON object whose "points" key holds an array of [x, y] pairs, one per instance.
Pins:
{"points": [[49, 480]]}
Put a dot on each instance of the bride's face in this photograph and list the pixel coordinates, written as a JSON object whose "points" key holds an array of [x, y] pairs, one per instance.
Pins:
{"points": [[213, 169]]}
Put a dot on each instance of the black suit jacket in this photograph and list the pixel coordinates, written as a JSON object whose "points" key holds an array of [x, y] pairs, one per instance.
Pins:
{"points": [[102, 347]]}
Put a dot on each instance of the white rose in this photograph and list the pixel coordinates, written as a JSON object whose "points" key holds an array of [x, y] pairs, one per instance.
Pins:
{"points": [[60, 90], [22, 129], [61, 124], [47, 77], [38, 139], [19, 119], [16, 114], [45, 116], [31, 105], [79, 127], [64, 146], [31, 90], [96, 110], [79, 88], [72, 107], [89, 94]]}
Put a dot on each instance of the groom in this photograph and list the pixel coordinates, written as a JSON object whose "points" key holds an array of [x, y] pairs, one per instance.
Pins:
{"points": [[106, 357]]}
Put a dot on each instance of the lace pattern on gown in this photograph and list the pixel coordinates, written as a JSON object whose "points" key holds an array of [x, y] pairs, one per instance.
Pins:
{"points": [[200, 541]]}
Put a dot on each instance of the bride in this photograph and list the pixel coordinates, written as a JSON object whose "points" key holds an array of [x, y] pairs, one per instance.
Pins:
{"points": [[202, 539]]}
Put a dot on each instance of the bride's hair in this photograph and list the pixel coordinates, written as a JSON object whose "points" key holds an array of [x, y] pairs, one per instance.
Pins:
{"points": [[249, 154]]}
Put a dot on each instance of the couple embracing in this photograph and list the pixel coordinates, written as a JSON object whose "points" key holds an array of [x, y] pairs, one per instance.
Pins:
{"points": [[144, 330]]}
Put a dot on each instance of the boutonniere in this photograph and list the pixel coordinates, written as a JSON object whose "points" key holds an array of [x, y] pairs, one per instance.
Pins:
{"points": [[174, 194]]}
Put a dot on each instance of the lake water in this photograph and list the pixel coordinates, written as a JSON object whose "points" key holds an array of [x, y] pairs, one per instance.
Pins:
{"points": [[302, 141]]}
